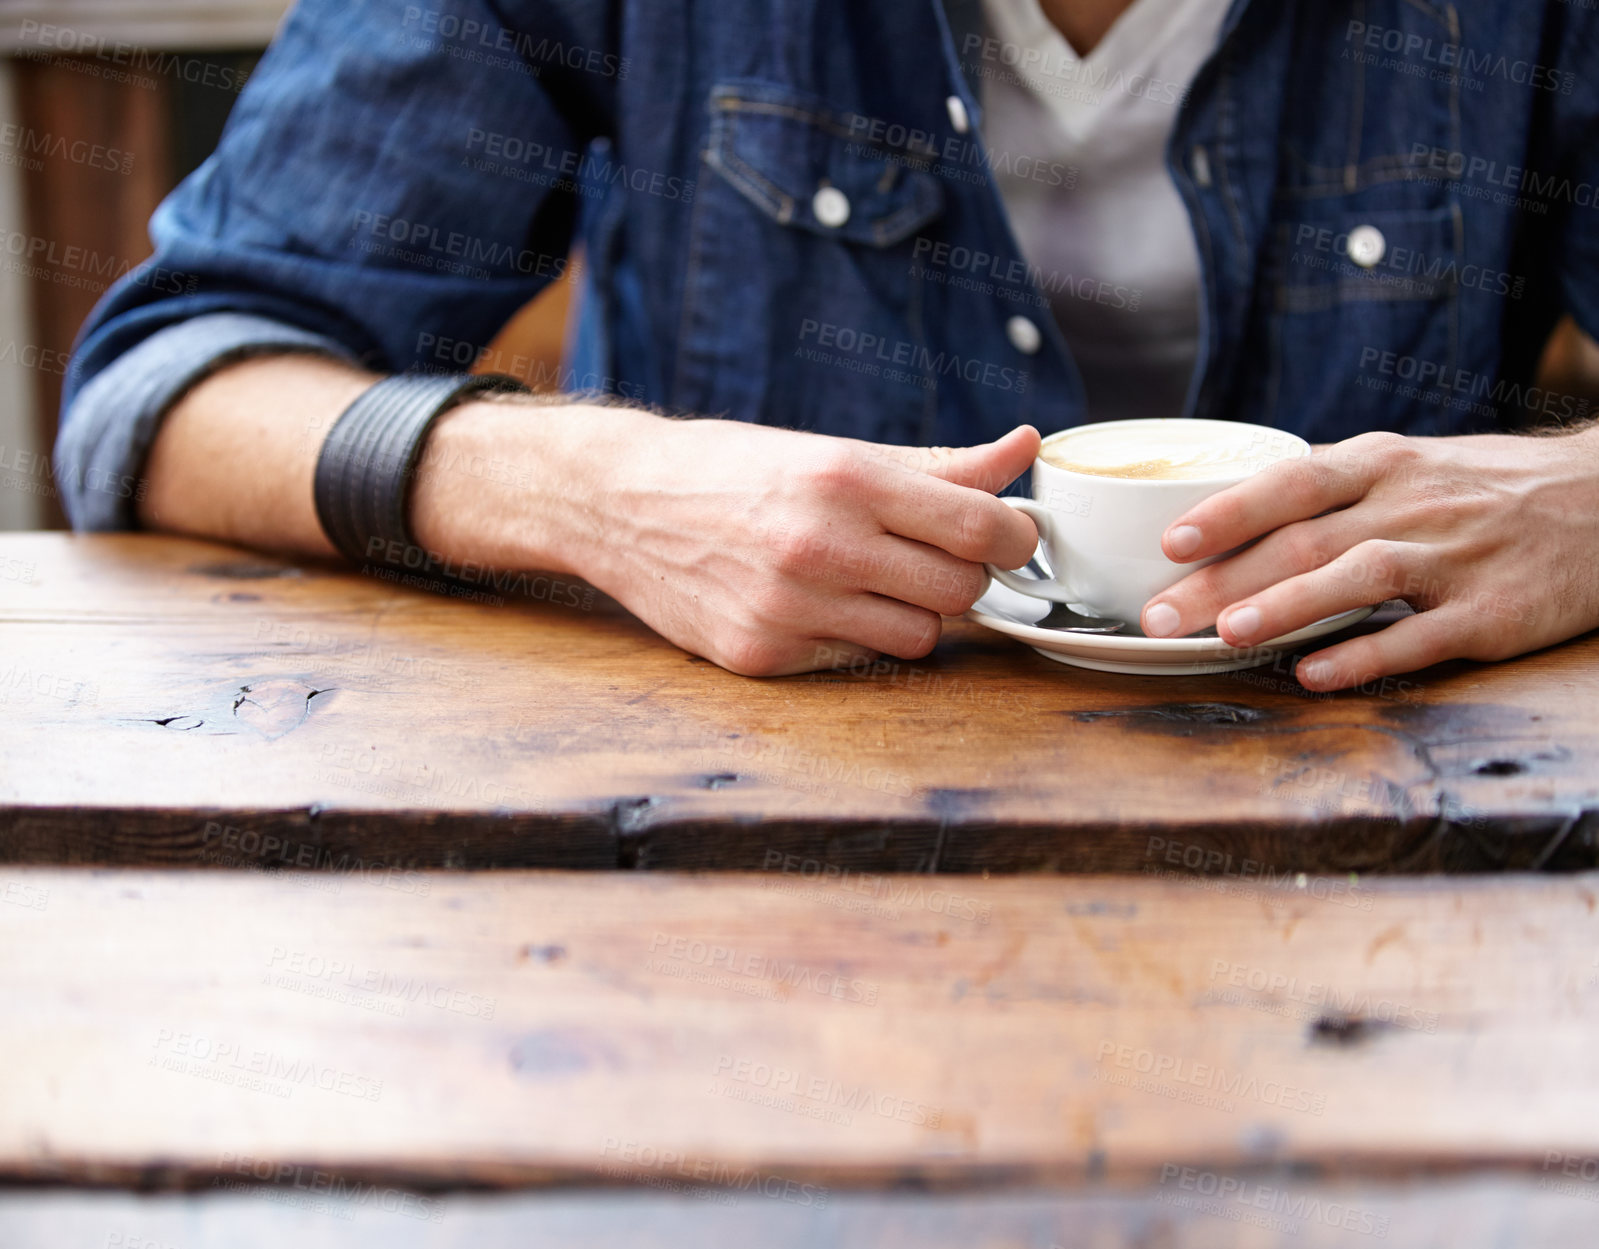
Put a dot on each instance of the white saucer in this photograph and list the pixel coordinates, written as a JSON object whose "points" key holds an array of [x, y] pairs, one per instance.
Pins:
{"points": [[1016, 615]]}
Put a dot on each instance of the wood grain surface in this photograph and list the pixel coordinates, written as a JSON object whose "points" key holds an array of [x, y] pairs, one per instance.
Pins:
{"points": [[164, 701], [775, 1037]]}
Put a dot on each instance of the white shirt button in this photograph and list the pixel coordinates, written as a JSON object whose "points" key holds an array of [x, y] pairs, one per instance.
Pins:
{"points": [[1023, 335], [831, 207], [957, 114], [1367, 246]]}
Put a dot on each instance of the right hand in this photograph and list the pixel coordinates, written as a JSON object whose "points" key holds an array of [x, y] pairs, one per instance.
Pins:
{"points": [[765, 550], [770, 551]]}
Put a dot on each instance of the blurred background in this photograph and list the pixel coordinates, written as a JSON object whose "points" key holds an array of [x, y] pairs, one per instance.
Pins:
{"points": [[105, 105]]}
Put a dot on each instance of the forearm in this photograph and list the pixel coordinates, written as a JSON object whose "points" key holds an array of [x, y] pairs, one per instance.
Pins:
{"points": [[767, 550], [498, 483], [235, 456]]}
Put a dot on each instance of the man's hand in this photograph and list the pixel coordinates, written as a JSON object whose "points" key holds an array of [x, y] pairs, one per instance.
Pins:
{"points": [[770, 551], [1493, 539], [765, 550]]}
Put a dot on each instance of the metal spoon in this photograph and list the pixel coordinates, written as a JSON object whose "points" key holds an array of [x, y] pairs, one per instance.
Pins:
{"points": [[1068, 621], [1064, 618]]}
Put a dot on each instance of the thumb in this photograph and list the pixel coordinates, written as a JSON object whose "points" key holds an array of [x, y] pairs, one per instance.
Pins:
{"points": [[990, 467]]}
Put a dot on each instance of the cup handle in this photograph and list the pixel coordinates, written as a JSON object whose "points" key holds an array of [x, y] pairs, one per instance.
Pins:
{"points": [[1033, 587]]}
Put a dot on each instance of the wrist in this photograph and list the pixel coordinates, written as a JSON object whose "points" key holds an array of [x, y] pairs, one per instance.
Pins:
{"points": [[515, 483]]}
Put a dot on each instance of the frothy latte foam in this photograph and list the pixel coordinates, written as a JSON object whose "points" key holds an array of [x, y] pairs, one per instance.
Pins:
{"points": [[1176, 450]]}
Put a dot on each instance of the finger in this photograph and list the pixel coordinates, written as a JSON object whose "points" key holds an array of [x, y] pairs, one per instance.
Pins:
{"points": [[989, 467], [881, 563], [967, 523], [1365, 575], [825, 655], [953, 515], [885, 625], [1288, 491], [1418, 641], [1199, 598], [922, 575]]}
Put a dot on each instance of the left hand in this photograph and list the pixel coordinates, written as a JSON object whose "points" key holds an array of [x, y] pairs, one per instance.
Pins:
{"points": [[1493, 539]]}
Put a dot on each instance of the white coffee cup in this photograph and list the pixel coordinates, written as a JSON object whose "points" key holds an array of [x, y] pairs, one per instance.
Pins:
{"points": [[1100, 534]]}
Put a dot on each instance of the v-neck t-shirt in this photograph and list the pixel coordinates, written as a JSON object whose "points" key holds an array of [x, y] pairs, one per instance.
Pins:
{"points": [[1113, 251]]}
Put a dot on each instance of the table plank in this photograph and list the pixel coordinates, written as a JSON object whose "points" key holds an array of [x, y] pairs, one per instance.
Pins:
{"points": [[1476, 1213], [174, 1029], [169, 701]]}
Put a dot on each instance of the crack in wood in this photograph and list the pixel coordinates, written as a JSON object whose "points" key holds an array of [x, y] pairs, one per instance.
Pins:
{"points": [[1345, 1031], [244, 570], [1180, 713], [169, 721]]}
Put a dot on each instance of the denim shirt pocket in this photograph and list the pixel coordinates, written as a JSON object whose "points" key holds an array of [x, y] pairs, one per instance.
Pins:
{"points": [[1377, 98], [1362, 316], [799, 304]]}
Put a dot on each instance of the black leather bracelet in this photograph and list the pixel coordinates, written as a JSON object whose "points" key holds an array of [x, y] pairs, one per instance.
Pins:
{"points": [[364, 470]]}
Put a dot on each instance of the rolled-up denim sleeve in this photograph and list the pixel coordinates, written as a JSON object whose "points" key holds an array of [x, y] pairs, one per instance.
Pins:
{"points": [[115, 416], [360, 204]]}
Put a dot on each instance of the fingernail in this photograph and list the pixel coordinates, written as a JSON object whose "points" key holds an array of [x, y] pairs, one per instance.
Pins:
{"points": [[1243, 623], [1315, 672], [1183, 541], [1160, 620]]}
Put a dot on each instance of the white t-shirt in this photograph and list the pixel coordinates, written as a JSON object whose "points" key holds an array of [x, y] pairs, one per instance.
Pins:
{"points": [[1114, 252]]}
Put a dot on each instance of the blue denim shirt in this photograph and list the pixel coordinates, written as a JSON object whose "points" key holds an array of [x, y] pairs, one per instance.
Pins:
{"points": [[785, 220]]}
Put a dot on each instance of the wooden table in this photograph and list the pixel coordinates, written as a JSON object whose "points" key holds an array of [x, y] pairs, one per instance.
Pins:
{"points": [[174, 702], [659, 1059], [1256, 1023]]}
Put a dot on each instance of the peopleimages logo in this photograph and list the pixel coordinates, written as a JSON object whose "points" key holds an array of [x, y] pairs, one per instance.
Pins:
{"points": [[532, 51], [896, 891], [875, 350], [232, 1062], [83, 47], [345, 974], [228, 843], [1492, 391], [1086, 81], [1246, 1198], [1211, 861], [1203, 1077], [1405, 267], [590, 167], [29, 142], [824, 1090], [449, 250], [637, 1160], [950, 156], [1541, 188], [1318, 996], [1451, 59], [67, 264], [1015, 274], [331, 1185], [756, 966], [745, 753]]}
